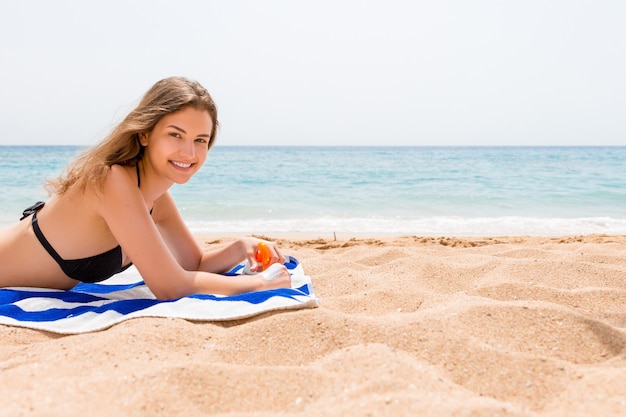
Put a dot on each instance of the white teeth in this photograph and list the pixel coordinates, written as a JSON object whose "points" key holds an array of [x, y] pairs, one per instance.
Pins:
{"points": [[180, 164]]}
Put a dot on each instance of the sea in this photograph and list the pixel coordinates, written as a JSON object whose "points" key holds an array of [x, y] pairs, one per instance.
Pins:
{"points": [[347, 192]]}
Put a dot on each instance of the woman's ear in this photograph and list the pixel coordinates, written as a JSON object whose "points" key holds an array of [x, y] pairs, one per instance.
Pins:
{"points": [[143, 138]]}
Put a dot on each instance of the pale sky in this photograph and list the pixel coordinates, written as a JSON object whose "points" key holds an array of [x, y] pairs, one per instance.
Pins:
{"points": [[323, 72]]}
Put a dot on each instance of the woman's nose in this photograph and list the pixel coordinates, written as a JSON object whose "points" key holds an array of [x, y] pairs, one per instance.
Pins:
{"points": [[187, 149]]}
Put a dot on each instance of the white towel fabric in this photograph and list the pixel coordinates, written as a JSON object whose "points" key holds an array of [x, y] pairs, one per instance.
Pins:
{"points": [[91, 307]]}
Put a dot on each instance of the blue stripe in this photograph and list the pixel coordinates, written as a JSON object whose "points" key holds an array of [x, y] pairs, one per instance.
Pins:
{"points": [[258, 297], [104, 288], [8, 296], [54, 314]]}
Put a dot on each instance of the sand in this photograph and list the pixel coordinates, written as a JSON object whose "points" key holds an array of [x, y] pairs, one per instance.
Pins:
{"points": [[508, 326]]}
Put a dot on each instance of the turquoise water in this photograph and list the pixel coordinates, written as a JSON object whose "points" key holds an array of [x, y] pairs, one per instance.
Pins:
{"points": [[375, 190]]}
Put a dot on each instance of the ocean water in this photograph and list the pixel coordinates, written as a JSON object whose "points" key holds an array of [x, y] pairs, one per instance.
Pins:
{"points": [[356, 191]]}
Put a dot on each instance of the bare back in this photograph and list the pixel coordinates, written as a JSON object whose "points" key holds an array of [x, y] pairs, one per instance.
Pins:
{"points": [[73, 228]]}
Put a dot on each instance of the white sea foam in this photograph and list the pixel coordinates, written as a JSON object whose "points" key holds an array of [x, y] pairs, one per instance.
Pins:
{"points": [[426, 226]]}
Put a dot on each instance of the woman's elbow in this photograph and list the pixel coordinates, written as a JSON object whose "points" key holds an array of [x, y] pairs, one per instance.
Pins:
{"points": [[170, 290], [165, 294]]}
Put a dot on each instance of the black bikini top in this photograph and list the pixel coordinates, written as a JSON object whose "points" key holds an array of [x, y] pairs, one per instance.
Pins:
{"points": [[92, 269]]}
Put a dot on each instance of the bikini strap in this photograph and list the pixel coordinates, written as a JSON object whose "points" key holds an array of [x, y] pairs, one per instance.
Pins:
{"points": [[32, 209], [44, 242]]}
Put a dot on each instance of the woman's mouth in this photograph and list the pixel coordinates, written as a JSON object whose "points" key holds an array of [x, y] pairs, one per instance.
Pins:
{"points": [[181, 164]]}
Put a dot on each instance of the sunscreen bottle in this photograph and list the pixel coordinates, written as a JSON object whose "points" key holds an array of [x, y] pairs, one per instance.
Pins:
{"points": [[263, 255]]}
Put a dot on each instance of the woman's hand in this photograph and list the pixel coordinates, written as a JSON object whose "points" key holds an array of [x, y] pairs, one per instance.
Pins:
{"points": [[276, 276], [251, 246]]}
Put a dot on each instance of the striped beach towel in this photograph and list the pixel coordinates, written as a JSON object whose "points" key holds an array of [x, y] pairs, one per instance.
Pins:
{"points": [[91, 307]]}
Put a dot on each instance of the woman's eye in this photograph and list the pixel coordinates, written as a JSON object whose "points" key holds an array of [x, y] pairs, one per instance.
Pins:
{"points": [[175, 135], [201, 140]]}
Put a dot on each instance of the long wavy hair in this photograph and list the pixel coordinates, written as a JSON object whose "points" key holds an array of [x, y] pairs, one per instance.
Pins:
{"points": [[122, 145]]}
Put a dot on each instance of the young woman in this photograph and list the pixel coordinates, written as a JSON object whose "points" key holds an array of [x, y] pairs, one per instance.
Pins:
{"points": [[112, 208]]}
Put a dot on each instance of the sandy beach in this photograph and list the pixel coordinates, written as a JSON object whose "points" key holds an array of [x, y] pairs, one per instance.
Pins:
{"points": [[499, 326]]}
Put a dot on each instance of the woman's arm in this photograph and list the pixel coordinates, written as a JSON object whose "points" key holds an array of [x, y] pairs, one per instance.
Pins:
{"points": [[166, 262], [189, 254]]}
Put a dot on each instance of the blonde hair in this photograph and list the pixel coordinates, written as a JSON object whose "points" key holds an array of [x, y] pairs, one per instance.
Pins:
{"points": [[122, 146]]}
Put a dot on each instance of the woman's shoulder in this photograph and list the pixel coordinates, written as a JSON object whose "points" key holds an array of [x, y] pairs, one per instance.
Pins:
{"points": [[118, 185], [119, 172], [119, 176]]}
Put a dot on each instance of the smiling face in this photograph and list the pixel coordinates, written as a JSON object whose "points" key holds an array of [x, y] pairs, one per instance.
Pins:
{"points": [[178, 145]]}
